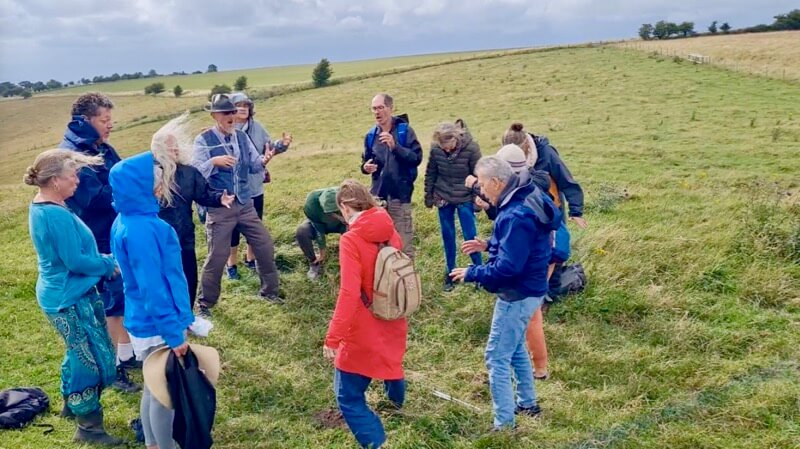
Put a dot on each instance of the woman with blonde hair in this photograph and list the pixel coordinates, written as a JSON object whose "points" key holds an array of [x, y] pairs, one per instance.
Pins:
{"points": [[182, 185], [70, 267], [362, 346]]}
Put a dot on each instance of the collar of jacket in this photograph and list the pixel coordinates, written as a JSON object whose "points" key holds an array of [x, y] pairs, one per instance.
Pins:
{"points": [[514, 184]]}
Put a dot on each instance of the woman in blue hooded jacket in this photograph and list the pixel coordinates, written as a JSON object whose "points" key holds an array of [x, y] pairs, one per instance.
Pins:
{"points": [[148, 252]]}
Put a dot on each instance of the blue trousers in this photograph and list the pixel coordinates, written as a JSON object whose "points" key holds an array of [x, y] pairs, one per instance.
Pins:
{"points": [[506, 351], [447, 221], [350, 392], [89, 361]]}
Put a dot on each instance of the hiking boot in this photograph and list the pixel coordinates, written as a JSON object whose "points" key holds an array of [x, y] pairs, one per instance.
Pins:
{"points": [[131, 363], [203, 312], [233, 272], [533, 411], [251, 264], [273, 299], [123, 383], [91, 430], [66, 413], [315, 271]]}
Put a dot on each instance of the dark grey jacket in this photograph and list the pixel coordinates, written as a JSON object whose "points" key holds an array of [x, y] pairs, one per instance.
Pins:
{"points": [[446, 172], [191, 187]]}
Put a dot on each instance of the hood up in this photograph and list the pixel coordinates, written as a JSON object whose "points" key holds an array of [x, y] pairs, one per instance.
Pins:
{"points": [[132, 182]]}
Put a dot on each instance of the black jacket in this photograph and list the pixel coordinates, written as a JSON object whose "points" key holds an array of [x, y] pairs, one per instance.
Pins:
{"points": [[397, 169], [446, 172], [551, 162], [191, 186]]}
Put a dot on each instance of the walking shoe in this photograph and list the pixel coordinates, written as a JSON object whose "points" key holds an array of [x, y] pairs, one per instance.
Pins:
{"points": [[123, 383], [131, 363], [203, 312], [533, 411], [315, 271], [91, 430], [233, 272], [449, 285], [273, 298], [251, 264], [66, 413]]}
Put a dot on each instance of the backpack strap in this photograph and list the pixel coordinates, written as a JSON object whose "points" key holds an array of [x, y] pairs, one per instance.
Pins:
{"points": [[371, 135], [364, 297], [402, 133]]}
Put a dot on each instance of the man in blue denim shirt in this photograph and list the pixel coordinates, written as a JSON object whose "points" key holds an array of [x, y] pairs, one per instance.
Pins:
{"points": [[226, 158], [519, 253]]}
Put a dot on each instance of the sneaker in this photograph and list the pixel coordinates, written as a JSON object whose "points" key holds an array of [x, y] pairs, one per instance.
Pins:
{"points": [[533, 411], [315, 271], [449, 285], [233, 272], [251, 264], [204, 312], [273, 298], [131, 363], [123, 383]]}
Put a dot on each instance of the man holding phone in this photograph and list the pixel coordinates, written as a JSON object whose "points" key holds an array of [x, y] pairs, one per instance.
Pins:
{"points": [[391, 156]]}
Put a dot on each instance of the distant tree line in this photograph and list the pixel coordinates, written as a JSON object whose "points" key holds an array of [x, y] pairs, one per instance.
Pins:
{"points": [[669, 30], [26, 89]]}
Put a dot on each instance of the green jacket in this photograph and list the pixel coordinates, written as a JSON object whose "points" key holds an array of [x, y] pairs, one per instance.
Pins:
{"points": [[323, 213]]}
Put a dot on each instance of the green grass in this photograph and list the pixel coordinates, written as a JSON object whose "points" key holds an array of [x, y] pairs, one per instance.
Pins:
{"points": [[686, 337], [268, 76]]}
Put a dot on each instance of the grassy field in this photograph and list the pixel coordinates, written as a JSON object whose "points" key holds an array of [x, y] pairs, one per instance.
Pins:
{"points": [[687, 337], [201, 84], [773, 55]]}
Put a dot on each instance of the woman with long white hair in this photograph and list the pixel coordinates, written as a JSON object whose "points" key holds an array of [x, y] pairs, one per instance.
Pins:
{"points": [[183, 184]]}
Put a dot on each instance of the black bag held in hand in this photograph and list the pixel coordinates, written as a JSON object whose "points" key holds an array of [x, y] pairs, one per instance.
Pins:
{"points": [[194, 400]]}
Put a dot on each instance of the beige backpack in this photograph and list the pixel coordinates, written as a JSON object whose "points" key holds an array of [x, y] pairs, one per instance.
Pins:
{"points": [[398, 289]]}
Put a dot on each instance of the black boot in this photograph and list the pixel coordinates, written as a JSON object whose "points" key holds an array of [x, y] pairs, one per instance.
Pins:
{"points": [[91, 430], [66, 413], [123, 383]]}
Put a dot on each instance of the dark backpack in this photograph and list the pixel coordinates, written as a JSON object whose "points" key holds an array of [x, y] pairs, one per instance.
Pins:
{"points": [[572, 280], [19, 406]]}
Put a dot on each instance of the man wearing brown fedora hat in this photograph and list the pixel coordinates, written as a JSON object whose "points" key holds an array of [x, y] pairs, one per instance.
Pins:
{"points": [[226, 158]]}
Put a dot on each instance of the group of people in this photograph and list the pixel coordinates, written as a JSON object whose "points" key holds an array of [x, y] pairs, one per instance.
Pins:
{"points": [[118, 273]]}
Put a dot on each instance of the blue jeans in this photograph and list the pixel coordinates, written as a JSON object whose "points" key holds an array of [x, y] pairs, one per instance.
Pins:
{"points": [[506, 351], [447, 221], [364, 423]]}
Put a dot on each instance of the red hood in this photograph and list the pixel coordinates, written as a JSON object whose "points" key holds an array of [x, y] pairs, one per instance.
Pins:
{"points": [[374, 225]]}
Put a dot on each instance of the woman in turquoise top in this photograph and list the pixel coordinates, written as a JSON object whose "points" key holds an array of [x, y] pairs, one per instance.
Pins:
{"points": [[69, 268]]}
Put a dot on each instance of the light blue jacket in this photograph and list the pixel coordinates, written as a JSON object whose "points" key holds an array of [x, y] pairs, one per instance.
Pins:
{"points": [[69, 263], [149, 256]]}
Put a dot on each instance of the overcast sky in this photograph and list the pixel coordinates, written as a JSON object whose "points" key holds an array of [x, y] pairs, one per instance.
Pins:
{"points": [[70, 39]]}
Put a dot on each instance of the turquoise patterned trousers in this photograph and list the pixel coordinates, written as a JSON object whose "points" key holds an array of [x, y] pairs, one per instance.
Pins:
{"points": [[89, 363]]}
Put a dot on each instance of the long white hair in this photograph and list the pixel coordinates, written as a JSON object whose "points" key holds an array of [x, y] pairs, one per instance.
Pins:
{"points": [[171, 145]]}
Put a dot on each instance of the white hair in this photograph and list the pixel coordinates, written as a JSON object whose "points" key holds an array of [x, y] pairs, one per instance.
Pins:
{"points": [[494, 167], [174, 133]]}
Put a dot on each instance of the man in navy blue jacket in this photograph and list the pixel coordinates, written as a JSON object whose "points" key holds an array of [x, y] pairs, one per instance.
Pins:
{"points": [[519, 253], [88, 133]]}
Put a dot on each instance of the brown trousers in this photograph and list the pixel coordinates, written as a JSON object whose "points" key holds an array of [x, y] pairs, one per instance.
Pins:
{"points": [[220, 223], [401, 214]]}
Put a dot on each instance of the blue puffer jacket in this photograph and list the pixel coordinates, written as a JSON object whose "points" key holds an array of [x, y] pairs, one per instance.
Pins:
{"points": [[92, 200], [520, 246], [149, 256]]}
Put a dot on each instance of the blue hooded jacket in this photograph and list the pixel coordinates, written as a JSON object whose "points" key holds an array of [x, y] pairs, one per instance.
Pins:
{"points": [[520, 246], [149, 256], [92, 200]]}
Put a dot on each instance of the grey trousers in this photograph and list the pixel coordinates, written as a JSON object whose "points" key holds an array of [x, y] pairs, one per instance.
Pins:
{"points": [[156, 419], [306, 235], [220, 223], [401, 214]]}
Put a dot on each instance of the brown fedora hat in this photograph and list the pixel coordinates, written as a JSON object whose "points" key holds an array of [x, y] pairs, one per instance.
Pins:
{"points": [[155, 368]]}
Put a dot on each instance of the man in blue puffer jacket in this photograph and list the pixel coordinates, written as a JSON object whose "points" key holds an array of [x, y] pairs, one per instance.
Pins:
{"points": [[88, 133], [148, 252], [519, 253]]}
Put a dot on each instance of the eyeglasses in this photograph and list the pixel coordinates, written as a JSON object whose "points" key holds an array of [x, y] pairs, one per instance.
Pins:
{"points": [[229, 112], [378, 108]]}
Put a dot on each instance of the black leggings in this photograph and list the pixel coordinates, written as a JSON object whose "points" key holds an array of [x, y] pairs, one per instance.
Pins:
{"points": [[258, 203], [189, 259]]}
